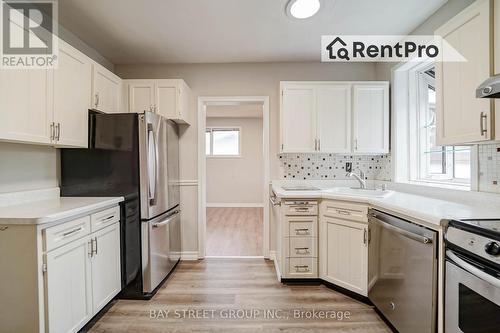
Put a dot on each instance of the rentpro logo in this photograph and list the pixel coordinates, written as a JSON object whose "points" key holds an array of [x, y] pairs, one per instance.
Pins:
{"points": [[386, 48]]}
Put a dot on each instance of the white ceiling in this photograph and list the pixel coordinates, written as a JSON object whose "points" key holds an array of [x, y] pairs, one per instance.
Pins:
{"points": [[235, 111], [215, 31]]}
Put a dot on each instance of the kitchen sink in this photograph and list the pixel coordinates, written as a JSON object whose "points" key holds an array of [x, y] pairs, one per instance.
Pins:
{"points": [[359, 192]]}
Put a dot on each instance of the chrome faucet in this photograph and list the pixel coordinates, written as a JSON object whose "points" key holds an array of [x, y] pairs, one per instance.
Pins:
{"points": [[360, 178]]}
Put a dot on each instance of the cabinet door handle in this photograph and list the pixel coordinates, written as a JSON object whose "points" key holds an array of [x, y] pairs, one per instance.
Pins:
{"points": [[315, 144], [52, 134], [483, 123], [58, 131], [91, 247], [96, 99], [302, 209], [355, 144], [343, 212], [302, 250], [319, 144], [365, 236], [95, 242]]}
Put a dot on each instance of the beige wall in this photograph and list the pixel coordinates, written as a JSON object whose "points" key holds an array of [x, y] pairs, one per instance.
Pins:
{"points": [[250, 79], [27, 167], [237, 180]]}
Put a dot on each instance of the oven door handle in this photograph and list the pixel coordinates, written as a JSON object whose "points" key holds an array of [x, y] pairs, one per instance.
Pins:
{"points": [[473, 270]]}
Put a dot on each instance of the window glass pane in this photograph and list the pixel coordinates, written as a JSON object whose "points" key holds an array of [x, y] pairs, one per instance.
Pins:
{"points": [[226, 142], [207, 142], [436, 163]]}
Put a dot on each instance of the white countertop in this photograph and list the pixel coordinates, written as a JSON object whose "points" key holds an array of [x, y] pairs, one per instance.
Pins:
{"points": [[53, 209], [429, 211]]}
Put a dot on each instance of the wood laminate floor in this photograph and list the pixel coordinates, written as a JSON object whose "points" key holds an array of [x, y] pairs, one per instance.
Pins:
{"points": [[234, 231], [228, 288]]}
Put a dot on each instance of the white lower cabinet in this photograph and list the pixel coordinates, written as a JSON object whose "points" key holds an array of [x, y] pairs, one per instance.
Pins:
{"points": [[297, 234], [344, 254], [69, 286], [105, 266], [82, 276]]}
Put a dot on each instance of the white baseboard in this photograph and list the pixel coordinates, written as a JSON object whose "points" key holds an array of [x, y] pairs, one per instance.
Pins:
{"points": [[272, 255], [235, 205], [189, 255], [234, 257]]}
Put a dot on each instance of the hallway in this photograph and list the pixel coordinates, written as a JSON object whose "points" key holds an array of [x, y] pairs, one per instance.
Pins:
{"points": [[234, 231]]}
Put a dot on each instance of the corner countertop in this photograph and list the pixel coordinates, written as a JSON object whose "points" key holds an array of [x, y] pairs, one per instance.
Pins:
{"points": [[53, 209], [428, 211]]}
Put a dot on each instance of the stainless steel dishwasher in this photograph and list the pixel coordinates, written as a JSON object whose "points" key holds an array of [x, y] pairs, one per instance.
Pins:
{"points": [[403, 272]]}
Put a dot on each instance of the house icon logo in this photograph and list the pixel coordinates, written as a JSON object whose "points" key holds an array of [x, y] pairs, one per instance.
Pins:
{"points": [[337, 49]]}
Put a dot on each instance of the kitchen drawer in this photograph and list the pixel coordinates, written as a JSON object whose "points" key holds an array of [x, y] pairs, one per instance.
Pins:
{"points": [[344, 210], [302, 247], [64, 233], [301, 268], [300, 207], [300, 226], [104, 218]]}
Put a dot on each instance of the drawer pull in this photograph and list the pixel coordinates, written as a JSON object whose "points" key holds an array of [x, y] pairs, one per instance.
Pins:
{"points": [[302, 250], [301, 268], [303, 231], [107, 218], [343, 212], [66, 234], [302, 209]]}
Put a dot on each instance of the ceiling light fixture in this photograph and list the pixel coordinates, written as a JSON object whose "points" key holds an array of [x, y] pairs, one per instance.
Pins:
{"points": [[302, 9]]}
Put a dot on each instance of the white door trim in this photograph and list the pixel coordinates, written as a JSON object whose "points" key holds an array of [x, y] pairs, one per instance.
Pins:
{"points": [[202, 168]]}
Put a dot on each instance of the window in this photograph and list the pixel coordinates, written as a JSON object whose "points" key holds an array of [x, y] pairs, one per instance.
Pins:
{"points": [[448, 164], [222, 141]]}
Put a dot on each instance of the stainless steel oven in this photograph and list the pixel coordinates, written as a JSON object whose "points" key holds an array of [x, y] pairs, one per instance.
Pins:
{"points": [[472, 292]]}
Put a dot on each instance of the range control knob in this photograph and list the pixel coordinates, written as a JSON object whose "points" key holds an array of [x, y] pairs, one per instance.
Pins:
{"points": [[492, 248]]}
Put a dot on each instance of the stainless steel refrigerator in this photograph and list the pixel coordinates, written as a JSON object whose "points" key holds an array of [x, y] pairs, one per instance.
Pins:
{"points": [[134, 155]]}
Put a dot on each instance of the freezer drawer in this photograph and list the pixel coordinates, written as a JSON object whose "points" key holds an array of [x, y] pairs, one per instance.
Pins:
{"points": [[160, 248]]}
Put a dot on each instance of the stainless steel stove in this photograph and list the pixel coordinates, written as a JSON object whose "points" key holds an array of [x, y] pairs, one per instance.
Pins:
{"points": [[472, 300]]}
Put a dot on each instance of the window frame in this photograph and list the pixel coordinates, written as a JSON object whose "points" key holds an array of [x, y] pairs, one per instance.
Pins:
{"points": [[211, 129], [417, 89]]}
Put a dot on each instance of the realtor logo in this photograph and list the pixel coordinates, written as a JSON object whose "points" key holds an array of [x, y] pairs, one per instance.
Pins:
{"points": [[29, 34], [371, 48]]}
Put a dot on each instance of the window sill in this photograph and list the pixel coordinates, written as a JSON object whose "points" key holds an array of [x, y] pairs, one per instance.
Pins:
{"points": [[459, 187], [224, 156]]}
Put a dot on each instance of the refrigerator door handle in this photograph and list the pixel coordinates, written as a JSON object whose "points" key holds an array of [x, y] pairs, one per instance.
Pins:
{"points": [[152, 165]]}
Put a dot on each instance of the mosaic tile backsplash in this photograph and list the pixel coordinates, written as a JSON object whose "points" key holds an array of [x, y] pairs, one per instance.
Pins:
{"points": [[332, 166], [489, 168]]}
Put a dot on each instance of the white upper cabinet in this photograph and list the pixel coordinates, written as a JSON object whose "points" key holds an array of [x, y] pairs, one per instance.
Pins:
{"points": [[106, 90], [333, 112], [25, 112], [298, 124], [141, 95], [461, 117], [173, 100], [72, 90], [169, 98], [332, 117], [371, 118]]}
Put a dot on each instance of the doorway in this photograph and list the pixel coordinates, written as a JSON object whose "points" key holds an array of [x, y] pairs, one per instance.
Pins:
{"points": [[233, 152]]}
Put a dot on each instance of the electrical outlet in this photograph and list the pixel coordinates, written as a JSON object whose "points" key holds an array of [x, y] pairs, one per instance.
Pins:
{"points": [[348, 167]]}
